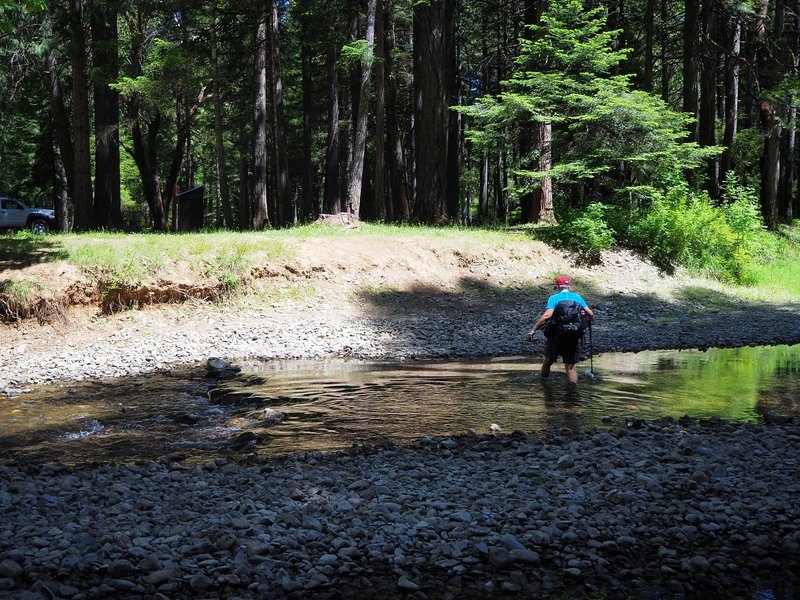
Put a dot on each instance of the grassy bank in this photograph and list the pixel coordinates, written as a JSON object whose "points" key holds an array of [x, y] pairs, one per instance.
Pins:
{"points": [[139, 259], [126, 270], [779, 277]]}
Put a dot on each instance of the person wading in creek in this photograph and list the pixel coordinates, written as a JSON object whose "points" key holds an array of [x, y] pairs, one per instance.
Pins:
{"points": [[564, 320]]}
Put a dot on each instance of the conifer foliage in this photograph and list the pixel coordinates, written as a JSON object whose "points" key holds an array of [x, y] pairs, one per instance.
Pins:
{"points": [[433, 111]]}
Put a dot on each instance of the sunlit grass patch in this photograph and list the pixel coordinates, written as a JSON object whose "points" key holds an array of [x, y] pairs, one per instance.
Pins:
{"points": [[121, 266], [130, 260], [21, 291], [777, 279], [390, 230]]}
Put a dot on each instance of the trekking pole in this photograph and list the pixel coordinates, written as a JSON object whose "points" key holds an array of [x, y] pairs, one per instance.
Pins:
{"points": [[591, 350]]}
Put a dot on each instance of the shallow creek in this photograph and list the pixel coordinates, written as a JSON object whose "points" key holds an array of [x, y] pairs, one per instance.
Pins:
{"points": [[283, 407]]}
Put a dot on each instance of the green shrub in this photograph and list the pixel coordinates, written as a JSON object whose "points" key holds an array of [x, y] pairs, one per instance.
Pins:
{"points": [[683, 227], [589, 233]]}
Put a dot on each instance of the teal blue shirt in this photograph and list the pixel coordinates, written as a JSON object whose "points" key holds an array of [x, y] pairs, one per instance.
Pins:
{"points": [[565, 295]]}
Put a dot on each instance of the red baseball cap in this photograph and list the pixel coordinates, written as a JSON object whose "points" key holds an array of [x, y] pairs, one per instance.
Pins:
{"points": [[563, 281]]}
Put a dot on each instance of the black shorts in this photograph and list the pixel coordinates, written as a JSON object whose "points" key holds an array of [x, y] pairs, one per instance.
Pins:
{"points": [[566, 346]]}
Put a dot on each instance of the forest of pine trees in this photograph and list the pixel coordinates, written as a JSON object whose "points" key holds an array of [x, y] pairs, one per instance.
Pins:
{"points": [[427, 111]]}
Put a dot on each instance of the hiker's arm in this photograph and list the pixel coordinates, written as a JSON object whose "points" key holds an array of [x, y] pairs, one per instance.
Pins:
{"points": [[589, 312], [541, 322]]}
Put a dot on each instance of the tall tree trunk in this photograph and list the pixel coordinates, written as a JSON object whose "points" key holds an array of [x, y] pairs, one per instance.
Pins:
{"points": [[398, 206], [541, 196], [184, 113], [616, 21], [501, 204], [283, 198], [430, 118], [794, 202], [468, 197], [497, 157], [770, 157], [82, 179], [690, 31], [219, 143], [105, 45], [349, 116], [61, 192], [260, 212], [649, 41], [788, 152], [527, 139], [332, 198], [788, 143], [770, 164], [356, 172], [526, 145], [61, 125], [309, 206], [244, 180], [708, 93], [734, 39], [545, 196], [664, 51], [380, 112], [453, 118], [145, 145], [483, 189]]}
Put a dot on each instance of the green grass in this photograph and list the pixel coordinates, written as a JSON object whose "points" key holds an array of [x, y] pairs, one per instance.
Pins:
{"points": [[140, 259], [779, 278], [498, 234], [20, 292], [124, 259]]}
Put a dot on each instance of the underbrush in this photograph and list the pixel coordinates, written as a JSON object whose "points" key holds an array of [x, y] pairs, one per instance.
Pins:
{"points": [[678, 226]]}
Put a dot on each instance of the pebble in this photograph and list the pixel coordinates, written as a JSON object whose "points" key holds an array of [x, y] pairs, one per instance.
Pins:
{"points": [[697, 513], [421, 520], [435, 332]]}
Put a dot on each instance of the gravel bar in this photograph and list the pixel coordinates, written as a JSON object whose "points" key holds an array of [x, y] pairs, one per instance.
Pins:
{"points": [[646, 510], [671, 510]]}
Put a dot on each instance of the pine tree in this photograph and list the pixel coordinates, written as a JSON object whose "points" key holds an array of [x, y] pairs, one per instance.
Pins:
{"points": [[603, 130]]}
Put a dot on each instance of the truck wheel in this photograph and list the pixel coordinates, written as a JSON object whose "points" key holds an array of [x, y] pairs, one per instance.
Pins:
{"points": [[39, 226]]}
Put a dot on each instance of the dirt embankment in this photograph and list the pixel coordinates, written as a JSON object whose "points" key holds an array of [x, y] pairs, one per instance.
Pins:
{"points": [[457, 280]]}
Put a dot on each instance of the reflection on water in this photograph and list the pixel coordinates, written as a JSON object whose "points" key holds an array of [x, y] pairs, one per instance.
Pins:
{"points": [[284, 407]]}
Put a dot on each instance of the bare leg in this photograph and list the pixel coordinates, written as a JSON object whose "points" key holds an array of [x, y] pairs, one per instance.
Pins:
{"points": [[546, 364], [572, 373]]}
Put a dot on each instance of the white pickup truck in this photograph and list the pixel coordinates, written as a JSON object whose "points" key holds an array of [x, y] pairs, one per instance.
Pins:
{"points": [[15, 214]]}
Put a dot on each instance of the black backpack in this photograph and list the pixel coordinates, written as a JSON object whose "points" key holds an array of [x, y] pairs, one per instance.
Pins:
{"points": [[568, 320]]}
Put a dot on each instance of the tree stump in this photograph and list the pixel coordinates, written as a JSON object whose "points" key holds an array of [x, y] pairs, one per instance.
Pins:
{"points": [[342, 219]]}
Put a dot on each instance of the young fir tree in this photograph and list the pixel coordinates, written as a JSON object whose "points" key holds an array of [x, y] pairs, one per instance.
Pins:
{"points": [[603, 132]]}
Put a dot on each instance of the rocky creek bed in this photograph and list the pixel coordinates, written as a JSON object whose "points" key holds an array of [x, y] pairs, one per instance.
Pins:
{"points": [[161, 338], [644, 510]]}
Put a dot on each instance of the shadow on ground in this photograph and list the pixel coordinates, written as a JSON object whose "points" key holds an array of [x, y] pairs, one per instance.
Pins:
{"points": [[497, 317], [18, 252]]}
